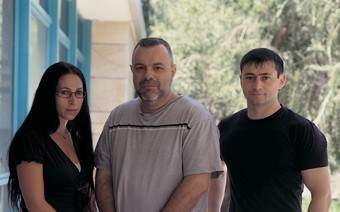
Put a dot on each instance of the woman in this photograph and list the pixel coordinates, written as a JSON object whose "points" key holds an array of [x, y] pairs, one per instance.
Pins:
{"points": [[51, 156]]}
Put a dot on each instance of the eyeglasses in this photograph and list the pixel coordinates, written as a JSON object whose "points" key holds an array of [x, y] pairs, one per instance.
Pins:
{"points": [[68, 94]]}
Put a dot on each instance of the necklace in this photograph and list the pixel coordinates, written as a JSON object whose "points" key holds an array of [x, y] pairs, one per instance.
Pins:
{"points": [[64, 135]]}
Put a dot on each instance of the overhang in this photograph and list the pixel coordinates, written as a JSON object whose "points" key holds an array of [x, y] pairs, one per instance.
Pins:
{"points": [[114, 11]]}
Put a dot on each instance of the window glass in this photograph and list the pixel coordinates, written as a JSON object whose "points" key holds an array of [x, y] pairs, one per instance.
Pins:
{"points": [[80, 64], [4, 203], [42, 3], [6, 86], [6, 114], [80, 35], [38, 52], [62, 53], [63, 11]]}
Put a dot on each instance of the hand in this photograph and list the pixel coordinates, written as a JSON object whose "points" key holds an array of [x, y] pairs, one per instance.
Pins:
{"points": [[92, 206]]}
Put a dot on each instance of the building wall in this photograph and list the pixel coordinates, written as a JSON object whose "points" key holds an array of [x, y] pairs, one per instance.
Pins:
{"points": [[111, 78]]}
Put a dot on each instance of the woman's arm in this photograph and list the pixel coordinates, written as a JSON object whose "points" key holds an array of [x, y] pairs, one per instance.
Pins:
{"points": [[31, 182]]}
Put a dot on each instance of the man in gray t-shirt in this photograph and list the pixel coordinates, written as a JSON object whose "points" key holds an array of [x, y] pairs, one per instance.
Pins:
{"points": [[158, 152]]}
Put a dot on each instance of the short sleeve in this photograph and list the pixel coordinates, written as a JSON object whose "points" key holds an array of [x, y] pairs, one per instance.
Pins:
{"points": [[312, 147], [30, 147], [103, 149], [201, 149]]}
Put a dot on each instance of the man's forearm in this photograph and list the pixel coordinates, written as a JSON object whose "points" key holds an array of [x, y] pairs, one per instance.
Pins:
{"points": [[216, 191], [320, 203], [105, 198], [103, 190], [188, 193]]}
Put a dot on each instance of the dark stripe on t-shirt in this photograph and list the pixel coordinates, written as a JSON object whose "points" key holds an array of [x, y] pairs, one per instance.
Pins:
{"points": [[149, 126]]}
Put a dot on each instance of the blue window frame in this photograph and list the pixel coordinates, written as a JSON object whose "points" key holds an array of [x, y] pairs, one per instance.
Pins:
{"points": [[58, 23], [40, 24], [83, 53]]}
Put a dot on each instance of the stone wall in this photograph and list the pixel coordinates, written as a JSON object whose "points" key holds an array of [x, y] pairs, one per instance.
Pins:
{"points": [[111, 78]]}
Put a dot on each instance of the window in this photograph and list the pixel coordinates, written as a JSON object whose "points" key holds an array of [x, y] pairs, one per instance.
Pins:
{"points": [[83, 51], [63, 52], [38, 52], [42, 3], [64, 15], [6, 29], [6, 89]]}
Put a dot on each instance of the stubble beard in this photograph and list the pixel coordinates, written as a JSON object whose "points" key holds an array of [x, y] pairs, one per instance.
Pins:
{"points": [[151, 95], [148, 97]]}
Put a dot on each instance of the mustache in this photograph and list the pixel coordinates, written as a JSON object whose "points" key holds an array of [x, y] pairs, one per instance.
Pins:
{"points": [[149, 83]]}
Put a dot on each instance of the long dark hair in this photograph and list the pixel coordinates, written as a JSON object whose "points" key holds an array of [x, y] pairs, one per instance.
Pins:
{"points": [[43, 119]]}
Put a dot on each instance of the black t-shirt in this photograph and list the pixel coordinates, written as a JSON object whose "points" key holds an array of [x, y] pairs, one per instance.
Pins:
{"points": [[64, 186], [265, 158]]}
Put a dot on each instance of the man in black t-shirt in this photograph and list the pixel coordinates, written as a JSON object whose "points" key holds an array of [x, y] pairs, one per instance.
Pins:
{"points": [[270, 151]]}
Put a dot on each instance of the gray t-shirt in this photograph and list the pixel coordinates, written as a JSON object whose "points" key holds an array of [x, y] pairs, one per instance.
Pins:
{"points": [[149, 154]]}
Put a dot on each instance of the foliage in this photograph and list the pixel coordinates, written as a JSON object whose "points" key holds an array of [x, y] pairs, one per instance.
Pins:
{"points": [[210, 37]]}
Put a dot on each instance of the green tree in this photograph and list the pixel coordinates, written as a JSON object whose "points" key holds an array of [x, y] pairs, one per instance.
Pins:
{"points": [[210, 37], [307, 34]]}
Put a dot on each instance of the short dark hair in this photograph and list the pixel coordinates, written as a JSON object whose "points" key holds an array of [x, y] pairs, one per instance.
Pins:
{"points": [[43, 119], [154, 41], [261, 55]]}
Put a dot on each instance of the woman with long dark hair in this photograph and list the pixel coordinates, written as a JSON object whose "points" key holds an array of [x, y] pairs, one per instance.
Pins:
{"points": [[50, 158]]}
